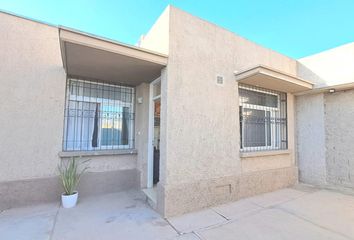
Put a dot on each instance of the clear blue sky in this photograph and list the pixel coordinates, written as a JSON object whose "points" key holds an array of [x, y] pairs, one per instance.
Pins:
{"points": [[296, 28]]}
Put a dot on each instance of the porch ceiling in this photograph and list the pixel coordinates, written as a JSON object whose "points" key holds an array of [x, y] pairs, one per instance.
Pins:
{"points": [[91, 57], [266, 77]]}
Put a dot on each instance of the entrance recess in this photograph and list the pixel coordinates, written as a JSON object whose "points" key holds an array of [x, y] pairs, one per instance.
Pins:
{"points": [[154, 133]]}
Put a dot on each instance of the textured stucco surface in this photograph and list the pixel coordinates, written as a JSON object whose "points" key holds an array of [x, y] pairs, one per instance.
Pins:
{"points": [[310, 133], [201, 121], [200, 164], [110, 163], [40, 190], [261, 163], [186, 197], [325, 139], [33, 95], [339, 127], [324, 121], [208, 146], [141, 132], [34, 81]]}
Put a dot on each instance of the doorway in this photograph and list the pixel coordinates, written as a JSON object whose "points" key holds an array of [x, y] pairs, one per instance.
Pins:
{"points": [[154, 134], [156, 142]]}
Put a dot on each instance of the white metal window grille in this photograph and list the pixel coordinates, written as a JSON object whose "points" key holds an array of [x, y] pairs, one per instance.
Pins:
{"points": [[98, 116], [263, 119]]}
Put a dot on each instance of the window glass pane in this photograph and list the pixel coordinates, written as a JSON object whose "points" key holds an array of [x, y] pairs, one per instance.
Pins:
{"points": [[110, 125], [80, 122], [102, 91], [156, 89], [258, 98], [263, 119], [254, 127], [98, 116], [268, 128]]}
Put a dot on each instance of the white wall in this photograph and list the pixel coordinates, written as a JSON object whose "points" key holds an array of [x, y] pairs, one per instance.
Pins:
{"points": [[157, 39], [331, 67]]}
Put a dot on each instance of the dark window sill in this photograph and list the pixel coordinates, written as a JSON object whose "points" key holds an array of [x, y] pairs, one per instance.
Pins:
{"points": [[97, 153]]}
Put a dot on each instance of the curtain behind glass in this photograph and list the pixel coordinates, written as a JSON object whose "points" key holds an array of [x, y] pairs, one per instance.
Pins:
{"points": [[80, 125], [125, 126]]}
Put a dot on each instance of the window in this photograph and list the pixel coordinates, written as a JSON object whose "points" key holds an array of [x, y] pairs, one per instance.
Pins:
{"points": [[263, 119], [98, 116]]}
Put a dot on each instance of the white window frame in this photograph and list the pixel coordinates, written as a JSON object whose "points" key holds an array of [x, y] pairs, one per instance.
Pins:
{"points": [[274, 111]]}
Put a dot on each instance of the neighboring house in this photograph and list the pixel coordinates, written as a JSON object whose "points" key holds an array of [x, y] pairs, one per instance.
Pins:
{"points": [[195, 115]]}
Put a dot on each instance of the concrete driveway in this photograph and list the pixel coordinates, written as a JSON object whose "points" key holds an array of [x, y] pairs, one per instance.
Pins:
{"points": [[301, 212]]}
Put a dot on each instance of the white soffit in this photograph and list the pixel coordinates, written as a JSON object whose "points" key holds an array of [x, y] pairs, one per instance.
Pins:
{"points": [[269, 78]]}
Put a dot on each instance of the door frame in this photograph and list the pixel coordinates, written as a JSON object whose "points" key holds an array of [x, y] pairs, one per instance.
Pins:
{"points": [[150, 159]]}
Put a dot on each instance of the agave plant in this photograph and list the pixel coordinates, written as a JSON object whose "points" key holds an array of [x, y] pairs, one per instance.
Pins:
{"points": [[70, 174]]}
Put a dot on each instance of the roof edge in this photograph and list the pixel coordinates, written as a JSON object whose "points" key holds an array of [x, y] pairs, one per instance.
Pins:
{"points": [[108, 40], [28, 18]]}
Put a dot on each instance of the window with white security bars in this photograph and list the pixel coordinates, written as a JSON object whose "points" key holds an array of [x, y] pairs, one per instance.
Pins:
{"points": [[263, 119]]}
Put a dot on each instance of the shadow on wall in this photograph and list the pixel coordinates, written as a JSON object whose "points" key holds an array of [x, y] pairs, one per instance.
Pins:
{"points": [[308, 75]]}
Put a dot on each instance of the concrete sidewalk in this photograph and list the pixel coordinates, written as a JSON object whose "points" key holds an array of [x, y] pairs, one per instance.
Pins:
{"points": [[301, 212]]}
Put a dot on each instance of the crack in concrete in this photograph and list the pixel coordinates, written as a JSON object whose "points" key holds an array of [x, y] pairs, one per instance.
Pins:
{"points": [[178, 232], [54, 223], [227, 219], [197, 235], [252, 213]]}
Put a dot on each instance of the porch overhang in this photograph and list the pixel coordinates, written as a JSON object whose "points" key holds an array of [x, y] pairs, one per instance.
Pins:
{"points": [[92, 57], [269, 78]]}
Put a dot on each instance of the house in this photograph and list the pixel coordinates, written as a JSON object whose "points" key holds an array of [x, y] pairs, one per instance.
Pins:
{"points": [[194, 115]]}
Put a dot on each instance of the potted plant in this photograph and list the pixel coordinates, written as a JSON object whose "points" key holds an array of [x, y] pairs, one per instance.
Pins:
{"points": [[70, 173]]}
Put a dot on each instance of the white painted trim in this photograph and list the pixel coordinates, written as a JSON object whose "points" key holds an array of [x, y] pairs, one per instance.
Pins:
{"points": [[150, 161]]}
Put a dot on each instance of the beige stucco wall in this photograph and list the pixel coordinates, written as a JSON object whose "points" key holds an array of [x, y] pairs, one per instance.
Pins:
{"points": [[324, 120], [33, 90], [339, 129], [310, 135], [32, 93], [325, 139], [202, 146], [32, 87], [142, 130]]}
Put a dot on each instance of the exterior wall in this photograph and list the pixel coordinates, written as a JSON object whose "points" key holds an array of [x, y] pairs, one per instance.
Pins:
{"points": [[324, 139], [33, 97], [331, 67], [339, 127], [324, 120], [157, 39], [142, 131], [311, 146], [276, 159], [202, 148], [32, 93]]}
